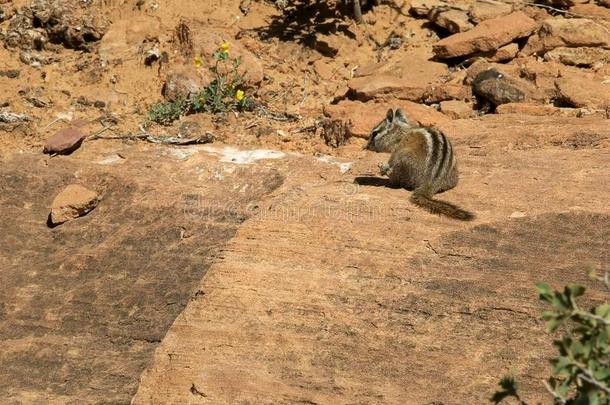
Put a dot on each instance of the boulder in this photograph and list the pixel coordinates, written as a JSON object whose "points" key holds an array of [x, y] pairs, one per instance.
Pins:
{"points": [[72, 202], [364, 116], [580, 90], [64, 141], [571, 32], [487, 36], [499, 88]]}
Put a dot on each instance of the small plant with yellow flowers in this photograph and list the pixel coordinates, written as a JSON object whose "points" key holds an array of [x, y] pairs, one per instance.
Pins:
{"points": [[226, 92]]}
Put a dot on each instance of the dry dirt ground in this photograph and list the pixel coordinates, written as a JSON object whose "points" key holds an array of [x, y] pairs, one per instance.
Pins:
{"points": [[292, 274]]}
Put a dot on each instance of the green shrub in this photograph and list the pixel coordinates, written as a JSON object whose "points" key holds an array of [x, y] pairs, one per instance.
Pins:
{"points": [[581, 369], [166, 112]]}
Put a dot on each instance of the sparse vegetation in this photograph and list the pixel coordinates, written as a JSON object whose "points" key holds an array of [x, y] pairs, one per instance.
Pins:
{"points": [[581, 369], [224, 93]]}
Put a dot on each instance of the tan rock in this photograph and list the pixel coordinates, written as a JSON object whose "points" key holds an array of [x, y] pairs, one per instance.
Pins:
{"points": [[452, 20], [72, 202], [582, 56], [406, 78], [505, 53], [421, 8], [486, 10], [572, 32], [369, 87], [487, 36], [536, 109], [592, 11], [125, 37], [184, 81], [447, 91], [581, 90], [64, 141], [457, 109], [323, 69]]}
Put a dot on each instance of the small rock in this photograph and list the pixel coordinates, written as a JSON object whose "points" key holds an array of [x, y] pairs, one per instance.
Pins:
{"points": [[421, 8], [181, 83], [572, 32], [72, 202], [99, 104], [452, 20], [151, 56], [486, 10], [457, 109], [582, 56], [518, 214], [487, 36], [505, 53], [10, 73], [323, 69], [64, 142], [82, 100]]}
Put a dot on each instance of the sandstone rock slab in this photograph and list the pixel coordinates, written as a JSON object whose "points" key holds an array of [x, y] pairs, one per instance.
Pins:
{"points": [[562, 32], [582, 56], [487, 36]]}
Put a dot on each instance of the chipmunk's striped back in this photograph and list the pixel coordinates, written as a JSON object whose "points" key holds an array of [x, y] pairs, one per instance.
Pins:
{"points": [[422, 160]]}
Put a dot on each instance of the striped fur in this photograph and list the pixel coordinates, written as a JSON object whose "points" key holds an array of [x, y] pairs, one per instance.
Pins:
{"points": [[422, 160]]}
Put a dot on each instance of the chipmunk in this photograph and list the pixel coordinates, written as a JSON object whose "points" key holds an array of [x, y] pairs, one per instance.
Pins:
{"points": [[421, 160]]}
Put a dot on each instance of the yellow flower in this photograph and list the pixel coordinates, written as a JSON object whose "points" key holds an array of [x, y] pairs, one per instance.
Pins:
{"points": [[197, 61], [239, 95], [224, 47], [202, 100]]}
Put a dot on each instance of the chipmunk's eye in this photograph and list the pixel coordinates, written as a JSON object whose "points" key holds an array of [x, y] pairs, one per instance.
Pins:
{"points": [[375, 132]]}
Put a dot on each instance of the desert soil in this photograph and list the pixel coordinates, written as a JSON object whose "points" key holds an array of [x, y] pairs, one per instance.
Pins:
{"points": [[274, 265]]}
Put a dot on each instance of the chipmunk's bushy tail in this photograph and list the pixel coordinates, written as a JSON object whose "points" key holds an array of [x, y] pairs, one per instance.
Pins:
{"points": [[423, 198]]}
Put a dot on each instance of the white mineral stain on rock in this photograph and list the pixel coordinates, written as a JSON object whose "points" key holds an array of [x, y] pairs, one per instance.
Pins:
{"points": [[343, 166], [243, 157]]}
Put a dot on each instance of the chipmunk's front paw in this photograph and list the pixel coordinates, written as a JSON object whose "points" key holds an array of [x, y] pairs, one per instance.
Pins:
{"points": [[384, 169]]}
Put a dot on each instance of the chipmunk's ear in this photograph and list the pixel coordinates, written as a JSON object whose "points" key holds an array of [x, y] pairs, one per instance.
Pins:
{"points": [[399, 114], [389, 116]]}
